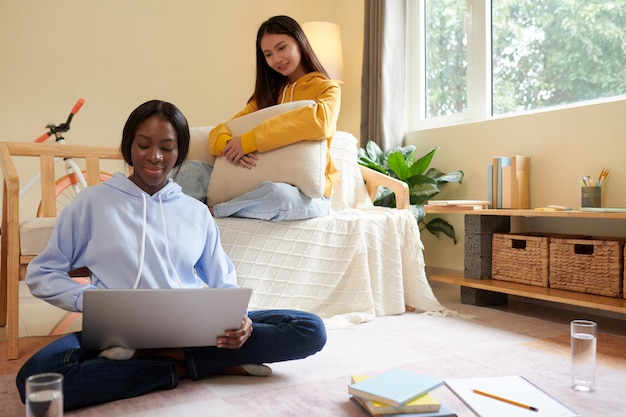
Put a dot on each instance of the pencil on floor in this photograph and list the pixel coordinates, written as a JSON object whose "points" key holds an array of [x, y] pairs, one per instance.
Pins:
{"points": [[495, 397]]}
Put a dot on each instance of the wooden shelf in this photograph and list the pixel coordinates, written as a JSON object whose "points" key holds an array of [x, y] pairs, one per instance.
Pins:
{"points": [[617, 305], [528, 213]]}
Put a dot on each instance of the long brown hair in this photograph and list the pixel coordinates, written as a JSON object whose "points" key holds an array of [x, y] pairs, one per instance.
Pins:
{"points": [[269, 82]]}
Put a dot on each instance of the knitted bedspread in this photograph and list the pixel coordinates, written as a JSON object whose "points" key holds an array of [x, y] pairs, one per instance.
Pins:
{"points": [[348, 264]]}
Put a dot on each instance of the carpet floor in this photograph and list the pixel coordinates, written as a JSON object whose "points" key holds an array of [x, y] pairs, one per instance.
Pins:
{"points": [[492, 343]]}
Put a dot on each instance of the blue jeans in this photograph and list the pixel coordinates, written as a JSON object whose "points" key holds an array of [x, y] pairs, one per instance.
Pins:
{"points": [[275, 201], [278, 335]]}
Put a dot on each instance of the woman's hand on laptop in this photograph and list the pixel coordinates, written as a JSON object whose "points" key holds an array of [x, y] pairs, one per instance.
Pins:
{"points": [[234, 339]]}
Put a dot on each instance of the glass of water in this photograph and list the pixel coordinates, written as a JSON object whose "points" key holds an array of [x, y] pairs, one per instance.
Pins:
{"points": [[44, 395], [583, 338]]}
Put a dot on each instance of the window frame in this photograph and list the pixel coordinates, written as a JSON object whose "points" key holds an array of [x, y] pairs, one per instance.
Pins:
{"points": [[479, 83]]}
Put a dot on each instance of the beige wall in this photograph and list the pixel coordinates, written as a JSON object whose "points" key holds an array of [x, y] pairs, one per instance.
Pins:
{"points": [[563, 145], [116, 54]]}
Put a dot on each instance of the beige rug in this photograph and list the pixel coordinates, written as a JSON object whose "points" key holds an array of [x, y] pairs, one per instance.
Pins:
{"points": [[495, 343]]}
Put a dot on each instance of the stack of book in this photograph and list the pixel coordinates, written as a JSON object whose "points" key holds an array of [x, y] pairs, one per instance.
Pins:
{"points": [[398, 393], [508, 182]]}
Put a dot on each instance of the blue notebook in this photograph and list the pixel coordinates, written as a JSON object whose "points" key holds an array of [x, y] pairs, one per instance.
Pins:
{"points": [[395, 387]]}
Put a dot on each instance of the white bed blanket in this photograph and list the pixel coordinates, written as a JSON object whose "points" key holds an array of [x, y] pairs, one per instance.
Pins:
{"points": [[357, 263]]}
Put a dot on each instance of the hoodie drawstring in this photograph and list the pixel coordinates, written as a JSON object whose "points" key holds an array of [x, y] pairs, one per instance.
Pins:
{"points": [[143, 244], [293, 87], [167, 250]]}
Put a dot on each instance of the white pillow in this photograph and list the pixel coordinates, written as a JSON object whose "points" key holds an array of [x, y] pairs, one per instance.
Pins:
{"points": [[302, 164], [349, 191], [199, 144]]}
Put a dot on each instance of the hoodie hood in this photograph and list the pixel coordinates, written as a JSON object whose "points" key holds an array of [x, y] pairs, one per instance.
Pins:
{"points": [[123, 184], [305, 87]]}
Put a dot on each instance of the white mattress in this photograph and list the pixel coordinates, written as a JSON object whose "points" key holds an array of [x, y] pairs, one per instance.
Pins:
{"points": [[347, 264]]}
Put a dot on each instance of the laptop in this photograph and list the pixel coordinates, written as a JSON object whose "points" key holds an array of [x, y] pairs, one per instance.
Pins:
{"points": [[160, 318]]}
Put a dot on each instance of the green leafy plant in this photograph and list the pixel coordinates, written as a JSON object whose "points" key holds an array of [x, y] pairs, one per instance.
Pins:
{"points": [[423, 182]]}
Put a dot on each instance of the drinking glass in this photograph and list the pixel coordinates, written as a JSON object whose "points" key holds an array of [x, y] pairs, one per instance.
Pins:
{"points": [[583, 338], [44, 395]]}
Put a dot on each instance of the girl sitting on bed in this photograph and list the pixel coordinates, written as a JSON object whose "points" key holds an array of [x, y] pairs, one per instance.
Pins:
{"points": [[287, 70]]}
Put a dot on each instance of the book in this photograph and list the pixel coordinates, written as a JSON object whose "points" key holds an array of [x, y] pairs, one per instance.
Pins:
{"points": [[490, 186], [455, 203], [604, 209], [508, 182], [494, 182], [420, 404], [509, 389], [513, 182], [443, 412], [507, 187], [458, 204], [552, 208], [520, 182], [501, 162], [395, 387]]}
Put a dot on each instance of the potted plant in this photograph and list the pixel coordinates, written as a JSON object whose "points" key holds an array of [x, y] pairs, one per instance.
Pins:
{"points": [[424, 182]]}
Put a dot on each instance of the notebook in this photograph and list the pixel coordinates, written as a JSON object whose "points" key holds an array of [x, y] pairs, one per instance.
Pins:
{"points": [[514, 388], [395, 387], [160, 318]]}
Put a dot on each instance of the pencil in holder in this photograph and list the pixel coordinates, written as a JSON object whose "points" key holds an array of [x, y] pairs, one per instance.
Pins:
{"points": [[591, 196]]}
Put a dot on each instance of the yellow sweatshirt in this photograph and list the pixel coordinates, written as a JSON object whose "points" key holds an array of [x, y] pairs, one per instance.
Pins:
{"points": [[306, 123]]}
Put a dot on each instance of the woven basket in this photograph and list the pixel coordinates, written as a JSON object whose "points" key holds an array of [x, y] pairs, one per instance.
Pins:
{"points": [[592, 266], [520, 258]]}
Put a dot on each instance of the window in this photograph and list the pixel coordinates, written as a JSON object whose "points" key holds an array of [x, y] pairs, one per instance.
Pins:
{"points": [[445, 57], [471, 59]]}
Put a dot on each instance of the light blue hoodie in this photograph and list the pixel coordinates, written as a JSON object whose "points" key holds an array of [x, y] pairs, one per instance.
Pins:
{"points": [[130, 239]]}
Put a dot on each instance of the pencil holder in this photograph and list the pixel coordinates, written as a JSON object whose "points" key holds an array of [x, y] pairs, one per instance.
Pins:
{"points": [[591, 196]]}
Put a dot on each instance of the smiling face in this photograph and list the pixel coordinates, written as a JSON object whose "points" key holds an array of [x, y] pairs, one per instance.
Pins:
{"points": [[154, 152], [282, 54]]}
